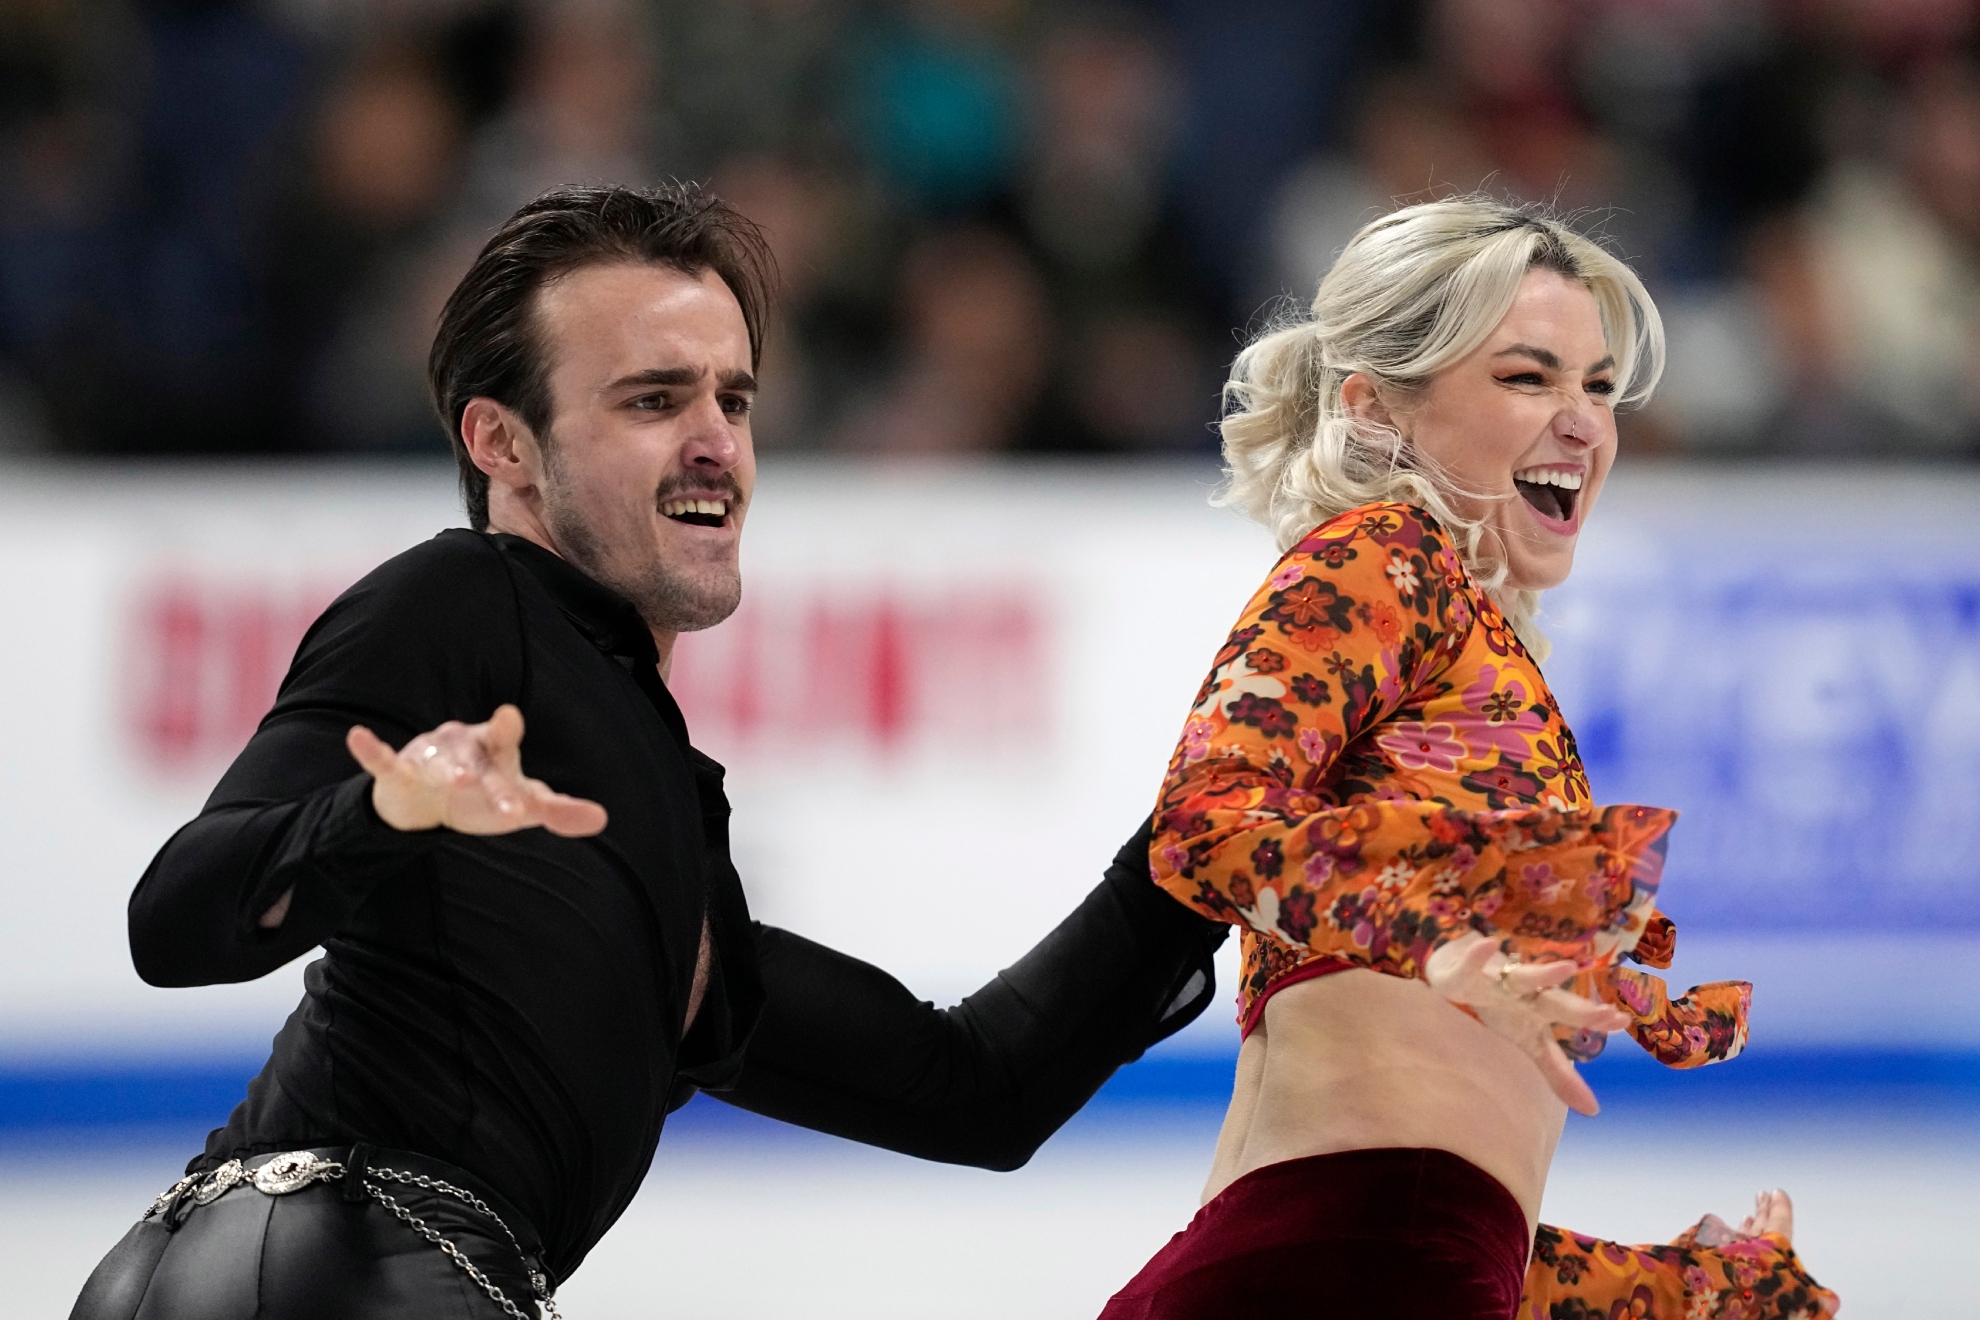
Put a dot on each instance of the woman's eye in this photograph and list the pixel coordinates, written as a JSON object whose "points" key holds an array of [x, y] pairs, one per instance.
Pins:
{"points": [[1602, 387], [1523, 378]]}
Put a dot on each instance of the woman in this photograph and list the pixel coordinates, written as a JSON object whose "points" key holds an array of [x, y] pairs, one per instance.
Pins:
{"points": [[1376, 786]]}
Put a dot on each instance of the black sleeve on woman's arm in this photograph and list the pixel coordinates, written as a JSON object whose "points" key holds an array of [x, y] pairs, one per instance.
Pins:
{"points": [[844, 1048], [429, 636]]}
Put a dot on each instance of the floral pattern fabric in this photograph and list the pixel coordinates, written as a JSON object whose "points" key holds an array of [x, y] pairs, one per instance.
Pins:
{"points": [[1572, 1277], [1375, 765]]}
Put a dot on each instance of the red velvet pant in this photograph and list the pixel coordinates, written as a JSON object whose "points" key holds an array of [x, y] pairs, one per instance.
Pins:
{"points": [[1382, 1234]]}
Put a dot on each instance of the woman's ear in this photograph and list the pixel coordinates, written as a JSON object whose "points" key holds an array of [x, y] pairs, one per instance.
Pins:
{"points": [[1363, 401]]}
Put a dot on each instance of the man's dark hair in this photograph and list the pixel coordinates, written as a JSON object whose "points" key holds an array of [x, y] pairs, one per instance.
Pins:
{"points": [[487, 344]]}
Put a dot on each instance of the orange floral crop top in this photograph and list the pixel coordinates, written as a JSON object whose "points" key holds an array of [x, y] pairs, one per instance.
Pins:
{"points": [[1375, 766]]}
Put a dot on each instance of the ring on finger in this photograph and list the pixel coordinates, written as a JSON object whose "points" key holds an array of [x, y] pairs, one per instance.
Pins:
{"points": [[1505, 979]]}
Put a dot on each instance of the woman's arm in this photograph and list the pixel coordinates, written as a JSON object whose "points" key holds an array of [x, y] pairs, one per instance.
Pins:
{"points": [[1355, 620], [1749, 1278]]}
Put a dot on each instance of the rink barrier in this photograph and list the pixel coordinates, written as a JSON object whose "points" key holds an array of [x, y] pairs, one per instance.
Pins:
{"points": [[201, 1093]]}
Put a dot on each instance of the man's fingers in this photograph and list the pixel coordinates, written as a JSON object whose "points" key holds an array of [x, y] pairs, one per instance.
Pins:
{"points": [[566, 816], [502, 737], [372, 753], [507, 798], [469, 778]]}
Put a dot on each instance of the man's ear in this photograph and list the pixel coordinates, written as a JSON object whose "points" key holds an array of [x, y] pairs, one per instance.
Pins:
{"points": [[501, 444], [1363, 401]]}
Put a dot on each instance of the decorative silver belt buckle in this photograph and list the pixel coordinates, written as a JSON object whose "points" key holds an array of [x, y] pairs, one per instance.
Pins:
{"points": [[218, 1183], [292, 1172], [166, 1197]]}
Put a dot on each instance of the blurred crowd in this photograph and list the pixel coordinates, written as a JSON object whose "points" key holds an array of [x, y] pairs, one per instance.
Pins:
{"points": [[226, 226]]}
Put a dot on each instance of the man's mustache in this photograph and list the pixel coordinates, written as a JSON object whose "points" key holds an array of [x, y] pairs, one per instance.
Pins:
{"points": [[726, 484]]}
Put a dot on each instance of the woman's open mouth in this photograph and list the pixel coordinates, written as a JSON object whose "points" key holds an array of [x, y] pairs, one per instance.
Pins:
{"points": [[1552, 492]]}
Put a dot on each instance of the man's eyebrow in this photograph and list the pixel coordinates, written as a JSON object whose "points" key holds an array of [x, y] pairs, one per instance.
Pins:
{"points": [[658, 376], [734, 380]]}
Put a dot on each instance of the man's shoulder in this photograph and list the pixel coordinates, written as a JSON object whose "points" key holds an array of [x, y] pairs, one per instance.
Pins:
{"points": [[452, 569], [454, 555], [453, 585], [429, 635]]}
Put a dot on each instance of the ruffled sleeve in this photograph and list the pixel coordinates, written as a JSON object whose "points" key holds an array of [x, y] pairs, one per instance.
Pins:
{"points": [[1574, 1277], [1384, 884]]}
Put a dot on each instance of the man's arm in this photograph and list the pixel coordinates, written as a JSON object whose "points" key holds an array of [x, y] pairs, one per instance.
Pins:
{"points": [[244, 889], [315, 812], [196, 916], [844, 1048]]}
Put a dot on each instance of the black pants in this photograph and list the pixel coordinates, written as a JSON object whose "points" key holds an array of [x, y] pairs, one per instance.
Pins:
{"points": [[314, 1252]]}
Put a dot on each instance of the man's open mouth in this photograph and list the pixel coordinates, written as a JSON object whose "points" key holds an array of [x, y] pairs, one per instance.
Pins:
{"points": [[697, 513], [1551, 492]]}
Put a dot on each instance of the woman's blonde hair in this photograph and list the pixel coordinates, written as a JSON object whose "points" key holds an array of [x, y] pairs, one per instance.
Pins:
{"points": [[1413, 292]]}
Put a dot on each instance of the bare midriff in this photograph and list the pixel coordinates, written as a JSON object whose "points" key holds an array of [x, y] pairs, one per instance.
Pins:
{"points": [[1359, 1061]]}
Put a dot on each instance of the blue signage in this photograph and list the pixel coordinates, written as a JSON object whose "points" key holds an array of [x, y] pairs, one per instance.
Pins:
{"points": [[1807, 694]]}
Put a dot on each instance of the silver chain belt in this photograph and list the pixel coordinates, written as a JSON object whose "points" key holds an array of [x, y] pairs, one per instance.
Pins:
{"points": [[297, 1169]]}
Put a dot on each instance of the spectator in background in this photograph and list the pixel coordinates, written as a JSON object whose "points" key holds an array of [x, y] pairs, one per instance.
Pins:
{"points": [[1263, 85], [1877, 290], [934, 100], [251, 234], [784, 100], [381, 163], [1488, 101], [587, 108], [820, 224], [57, 157], [140, 140], [581, 105], [1136, 315], [976, 344], [1407, 144]]}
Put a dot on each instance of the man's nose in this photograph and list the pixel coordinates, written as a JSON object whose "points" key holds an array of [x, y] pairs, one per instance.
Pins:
{"points": [[711, 443]]}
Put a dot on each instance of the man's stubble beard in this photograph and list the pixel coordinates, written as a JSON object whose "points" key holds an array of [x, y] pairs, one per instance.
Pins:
{"points": [[667, 598]]}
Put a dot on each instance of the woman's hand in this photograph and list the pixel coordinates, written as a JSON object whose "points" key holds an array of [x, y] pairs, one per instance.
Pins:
{"points": [[1523, 1002], [1773, 1212]]}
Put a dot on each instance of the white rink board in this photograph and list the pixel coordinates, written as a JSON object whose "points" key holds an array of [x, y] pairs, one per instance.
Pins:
{"points": [[949, 697]]}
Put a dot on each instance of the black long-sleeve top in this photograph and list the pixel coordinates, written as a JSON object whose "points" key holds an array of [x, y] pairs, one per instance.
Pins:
{"points": [[514, 1005]]}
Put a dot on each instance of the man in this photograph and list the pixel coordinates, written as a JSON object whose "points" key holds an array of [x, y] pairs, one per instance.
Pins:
{"points": [[521, 981]]}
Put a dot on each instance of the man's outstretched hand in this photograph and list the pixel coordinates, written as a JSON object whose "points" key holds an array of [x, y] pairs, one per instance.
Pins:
{"points": [[468, 778]]}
